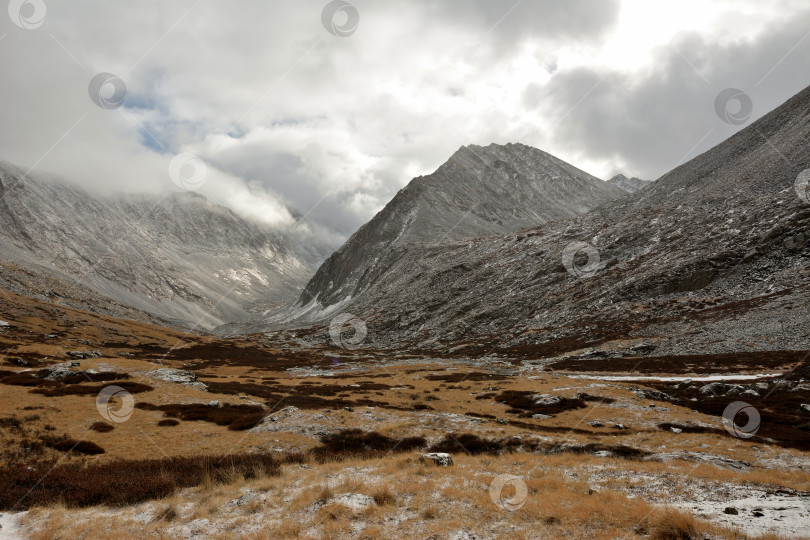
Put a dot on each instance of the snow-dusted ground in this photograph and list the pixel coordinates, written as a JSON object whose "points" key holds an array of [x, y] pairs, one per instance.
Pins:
{"points": [[758, 512], [759, 509], [9, 525], [677, 378]]}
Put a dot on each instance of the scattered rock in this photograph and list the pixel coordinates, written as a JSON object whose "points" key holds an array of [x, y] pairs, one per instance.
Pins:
{"points": [[730, 510], [355, 502], [618, 426], [440, 459], [713, 389], [179, 376], [214, 403], [545, 399], [84, 355], [57, 373], [805, 407], [676, 430], [643, 348], [537, 416], [502, 421], [19, 362], [646, 393], [714, 459], [244, 500], [596, 423]]}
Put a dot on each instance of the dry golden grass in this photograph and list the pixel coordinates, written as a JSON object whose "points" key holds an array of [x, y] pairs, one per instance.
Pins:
{"points": [[426, 500], [557, 506]]}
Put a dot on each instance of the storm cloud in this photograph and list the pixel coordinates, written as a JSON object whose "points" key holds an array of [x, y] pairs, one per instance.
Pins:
{"points": [[314, 132]]}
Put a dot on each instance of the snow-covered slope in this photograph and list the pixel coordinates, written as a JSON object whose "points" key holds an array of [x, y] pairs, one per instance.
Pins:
{"points": [[179, 256]]}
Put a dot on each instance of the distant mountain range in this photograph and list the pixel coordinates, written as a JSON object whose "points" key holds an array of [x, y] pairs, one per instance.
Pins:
{"points": [[178, 258], [711, 257], [503, 250]]}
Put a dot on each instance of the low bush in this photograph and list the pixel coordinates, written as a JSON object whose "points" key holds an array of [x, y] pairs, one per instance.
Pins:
{"points": [[124, 482], [356, 442], [236, 417]]}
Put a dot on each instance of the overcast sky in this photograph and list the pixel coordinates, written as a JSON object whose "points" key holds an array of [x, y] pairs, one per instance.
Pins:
{"points": [[324, 110]]}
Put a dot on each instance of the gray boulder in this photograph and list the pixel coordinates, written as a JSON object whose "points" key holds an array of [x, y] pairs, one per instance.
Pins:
{"points": [[440, 459], [546, 399], [178, 376], [713, 389]]}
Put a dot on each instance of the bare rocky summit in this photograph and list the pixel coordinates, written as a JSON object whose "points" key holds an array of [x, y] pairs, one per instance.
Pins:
{"points": [[630, 185], [479, 191]]}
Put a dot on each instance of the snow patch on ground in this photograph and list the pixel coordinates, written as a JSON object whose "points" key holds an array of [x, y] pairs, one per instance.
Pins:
{"points": [[10, 526], [708, 378], [758, 513]]}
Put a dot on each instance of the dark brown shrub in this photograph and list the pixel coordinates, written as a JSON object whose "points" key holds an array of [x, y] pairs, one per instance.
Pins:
{"points": [[123, 482], [10, 422], [355, 442], [86, 389], [469, 443], [236, 417], [102, 427], [66, 444]]}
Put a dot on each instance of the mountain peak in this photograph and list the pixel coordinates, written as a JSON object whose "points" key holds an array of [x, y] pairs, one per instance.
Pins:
{"points": [[631, 185], [479, 191]]}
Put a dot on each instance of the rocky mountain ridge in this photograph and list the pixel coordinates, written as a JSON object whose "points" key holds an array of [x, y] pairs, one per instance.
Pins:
{"points": [[630, 185], [479, 191], [710, 258], [178, 257]]}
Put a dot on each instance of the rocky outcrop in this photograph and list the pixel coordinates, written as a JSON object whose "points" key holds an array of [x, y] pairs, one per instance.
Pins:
{"points": [[179, 376], [440, 459]]}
